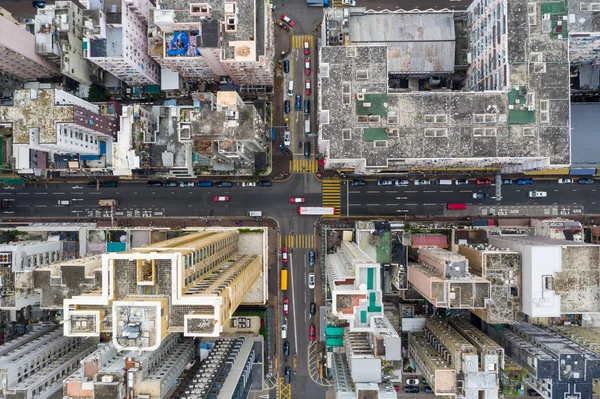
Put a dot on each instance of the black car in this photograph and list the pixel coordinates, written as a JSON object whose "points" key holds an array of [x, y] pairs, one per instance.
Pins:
{"points": [[306, 106], [358, 183], [170, 184], [411, 389], [298, 102], [313, 308], [427, 389], [224, 184], [265, 183], [154, 184], [586, 181], [286, 106], [286, 348], [286, 66], [287, 375], [311, 258], [93, 184]]}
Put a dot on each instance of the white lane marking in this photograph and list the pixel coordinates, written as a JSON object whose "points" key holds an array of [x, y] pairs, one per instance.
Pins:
{"points": [[465, 191], [411, 204], [43, 206], [38, 193], [372, 204], [392, 204], [401, 197], [97, 193], [354, 204], [411, 191], [353, 192], [444, 191], [58, 193], [76, 193], [393, 191], [372, 192], [430, 191], [429, 204]]}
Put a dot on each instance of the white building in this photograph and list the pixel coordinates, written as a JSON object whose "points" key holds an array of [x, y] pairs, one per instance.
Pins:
{"points": [[115, 40], [558, 277]]}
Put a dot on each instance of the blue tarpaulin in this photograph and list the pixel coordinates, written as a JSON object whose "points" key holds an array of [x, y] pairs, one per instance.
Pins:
{"points": [[273, 135], [582, 171], [103, 148], [89, 157]]}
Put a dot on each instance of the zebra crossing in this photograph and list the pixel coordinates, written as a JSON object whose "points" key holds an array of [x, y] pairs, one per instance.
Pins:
{"points": [[303, 166], [298, 241], [298, 41], [332, 195]]}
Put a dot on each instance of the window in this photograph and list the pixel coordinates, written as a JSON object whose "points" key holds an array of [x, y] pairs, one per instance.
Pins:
{"points": [[380, 143], [436, 132], [346, 134], [440, 118]]}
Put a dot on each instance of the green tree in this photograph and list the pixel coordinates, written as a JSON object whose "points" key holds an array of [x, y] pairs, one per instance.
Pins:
{"points": [[97, 94]]}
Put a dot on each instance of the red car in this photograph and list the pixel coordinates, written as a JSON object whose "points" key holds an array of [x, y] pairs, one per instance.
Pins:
{"points": [[288, 20], [306, 47], [307, 66], [296, 200], [485, 182], [307, 87], [284, 255], [312, 332], [222, 198], [286, 306]]}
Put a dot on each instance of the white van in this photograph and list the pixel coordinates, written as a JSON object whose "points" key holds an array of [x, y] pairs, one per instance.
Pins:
{"points": [[291, 88], [307, 126], [537, 194], [445, 182]]}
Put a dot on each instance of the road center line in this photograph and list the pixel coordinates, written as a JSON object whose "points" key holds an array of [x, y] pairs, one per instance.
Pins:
{"points": [[372, 192], [372, 204]]}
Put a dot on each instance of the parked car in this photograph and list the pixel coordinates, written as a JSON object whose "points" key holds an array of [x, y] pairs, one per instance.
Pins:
{"points": [[461, 182], [170, 184], [205, 183], [38, 4], [313, 308], [221, 198], [586, 181], [484, 182], [507, 181], [286, 106], [385, 183], [522, 182], [349, 3], [358, 183], [286, 122], [248, 184], [186, 184], [286, 348], [283, 331], [312, 332], [224, 184], [284, 254], [311, 258], [286, 306], [311, 280], [402, 182], [265, 183], [306, 47], [307, 66], [565, 181], [95, 184], [422, 182], [286, 66], [537, 194], [411, 389], [307, 87], [306, 106], [287, 375], [480, 195], [427, 389], [296, 200], [288, 20], [412, 381]]}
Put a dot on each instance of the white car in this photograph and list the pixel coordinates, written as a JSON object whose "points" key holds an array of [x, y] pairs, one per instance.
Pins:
{"points": [[283, 331], [565, 181], [249, 184], [422, 182], [349, 3], [402, 182], [311, 280], [186, 184], [287, 138], [537, 194], [412, 381]]}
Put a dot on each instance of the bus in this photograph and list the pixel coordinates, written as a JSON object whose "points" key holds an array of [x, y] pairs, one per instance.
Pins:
{"points": [[284, 279], [456, 207], [107, 202], [316, 210]]}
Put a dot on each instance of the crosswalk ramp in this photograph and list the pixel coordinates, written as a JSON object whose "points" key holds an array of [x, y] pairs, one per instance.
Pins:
{"points": [[331, 194], [298, 41], [298, 241], [303, 166]]}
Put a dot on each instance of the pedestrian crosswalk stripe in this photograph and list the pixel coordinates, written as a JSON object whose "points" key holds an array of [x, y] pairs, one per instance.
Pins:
{"points": [[298, 41], [331, 195], [299, 241], [303, 166]]}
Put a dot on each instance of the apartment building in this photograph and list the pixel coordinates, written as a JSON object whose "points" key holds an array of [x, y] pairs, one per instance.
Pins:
{"points": [[109, 373], [19, 60], [34, 365], [115, 39], [442, 277], [190, 284], [17, 262], [557, 276], [205, 41], [58, 38], [48, 125], [557, 367], [502, 268]]}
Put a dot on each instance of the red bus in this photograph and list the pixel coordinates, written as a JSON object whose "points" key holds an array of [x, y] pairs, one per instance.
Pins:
{"points": [[456, 207], [315, 210]]}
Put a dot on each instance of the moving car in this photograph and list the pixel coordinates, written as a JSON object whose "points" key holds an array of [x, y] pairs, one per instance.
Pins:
{"points": [[311, 280], [586, 181], [307, 66], [411, 389], [481, 195], [296, 200], [422, 182], [64, 202], [312, 332], [298, 103], [286, 106], [284, 254], [402, 182], [286, 306], [311, 258], [358, 183], [306, 47], [522, 182], [565, 181], [288, 20], [385, 183], [286, 348], [283, 331], [287, 375], [38, 4], [186, 184], [248, 184], [307, 87], [221, 198], [313, 308], [287, 138], [485, 182], [412, 381], [537, 194]]}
